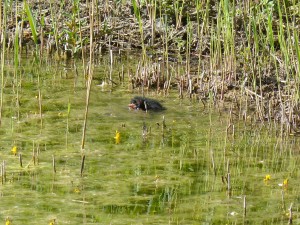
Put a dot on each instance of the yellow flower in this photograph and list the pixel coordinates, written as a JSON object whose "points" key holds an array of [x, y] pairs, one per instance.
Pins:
{"points": [[117, 137], [285, 182], [14, 150], [8, 221], [267, 178], [76, 190], [52, 222]]}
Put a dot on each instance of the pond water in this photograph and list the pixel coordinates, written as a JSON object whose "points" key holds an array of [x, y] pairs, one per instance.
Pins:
{"points": [[184, 165]]}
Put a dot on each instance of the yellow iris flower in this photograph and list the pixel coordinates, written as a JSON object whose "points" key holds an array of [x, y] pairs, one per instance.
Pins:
{"points": [[76, 190], [285, 182], [8, 221], [52, 222], [14, 150], [267, 178], [117, 137]]}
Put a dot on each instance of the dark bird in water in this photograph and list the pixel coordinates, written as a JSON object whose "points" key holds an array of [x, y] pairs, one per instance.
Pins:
{"points": [[145, 104]]}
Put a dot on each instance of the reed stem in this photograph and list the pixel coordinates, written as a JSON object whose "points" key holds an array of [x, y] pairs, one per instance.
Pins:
{"points": [[90, 75]]}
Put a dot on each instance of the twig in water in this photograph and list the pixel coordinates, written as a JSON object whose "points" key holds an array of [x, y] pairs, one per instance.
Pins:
{"points": [[291, 214], [53, 163], [20, 160], [82, 165], [282, 199], [245, 206], [253, 93], [3, 172], [213, 161], [228, 180]]}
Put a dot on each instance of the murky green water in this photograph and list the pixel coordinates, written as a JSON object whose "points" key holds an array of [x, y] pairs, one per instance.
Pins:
{"points": [[169, 175]]}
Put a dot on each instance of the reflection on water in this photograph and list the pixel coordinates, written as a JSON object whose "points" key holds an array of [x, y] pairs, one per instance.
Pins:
{"points": [[157, 174]]}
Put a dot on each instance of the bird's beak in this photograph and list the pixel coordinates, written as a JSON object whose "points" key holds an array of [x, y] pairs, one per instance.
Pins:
{"points": [[132, 106]]}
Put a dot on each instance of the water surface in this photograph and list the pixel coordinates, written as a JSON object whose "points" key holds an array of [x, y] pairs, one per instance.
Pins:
{"points": [[172, 174]]}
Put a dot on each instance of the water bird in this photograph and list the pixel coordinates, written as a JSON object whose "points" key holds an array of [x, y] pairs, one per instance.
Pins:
{"points": [[145, 104]]}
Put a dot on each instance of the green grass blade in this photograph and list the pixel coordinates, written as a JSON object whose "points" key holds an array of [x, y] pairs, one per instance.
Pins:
{"points": [[136, 10], [16, 48], [32, 22]]}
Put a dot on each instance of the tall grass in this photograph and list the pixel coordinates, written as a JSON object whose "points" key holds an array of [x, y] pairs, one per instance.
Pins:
{"points": [[54, 27], [32, 22], [140, 22]]}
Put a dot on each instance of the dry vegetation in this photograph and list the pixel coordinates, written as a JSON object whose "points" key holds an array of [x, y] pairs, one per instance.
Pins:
{"points": [[246, 52]]}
